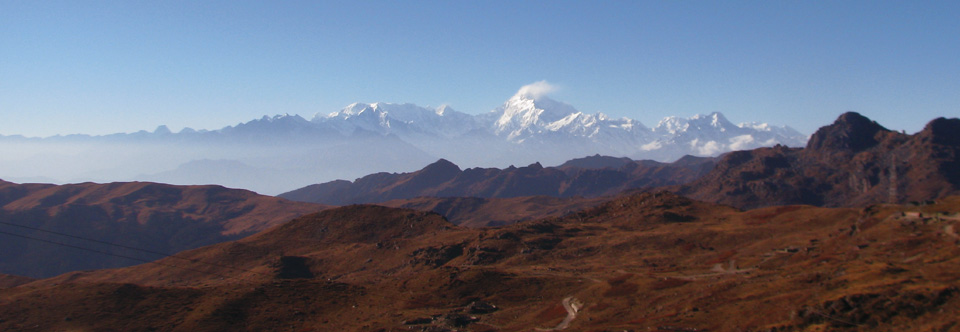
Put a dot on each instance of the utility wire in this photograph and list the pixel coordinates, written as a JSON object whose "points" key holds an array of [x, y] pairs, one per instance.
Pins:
{"points": [[122, 246], [115, 255], [87, 239], [396, 298]]}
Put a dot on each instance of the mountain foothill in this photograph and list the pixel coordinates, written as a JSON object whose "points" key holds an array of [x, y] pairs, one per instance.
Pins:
{"points": [[855, 231], [155, 218]]}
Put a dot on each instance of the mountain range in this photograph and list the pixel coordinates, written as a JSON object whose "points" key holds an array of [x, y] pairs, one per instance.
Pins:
{"points": [[852, 162], [279, 153], [629, 256]]}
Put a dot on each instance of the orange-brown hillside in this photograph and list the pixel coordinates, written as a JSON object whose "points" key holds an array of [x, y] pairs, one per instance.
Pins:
{"points": [[8, 281], [157, 217], [644, 262], [482, 212]]}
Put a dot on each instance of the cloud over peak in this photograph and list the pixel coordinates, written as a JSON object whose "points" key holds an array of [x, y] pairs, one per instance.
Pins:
{"points": [[536, 90]]}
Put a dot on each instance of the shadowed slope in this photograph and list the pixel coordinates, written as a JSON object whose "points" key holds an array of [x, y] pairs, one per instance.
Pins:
{"points": [[444, 179], [8, 281], [156, 217]]}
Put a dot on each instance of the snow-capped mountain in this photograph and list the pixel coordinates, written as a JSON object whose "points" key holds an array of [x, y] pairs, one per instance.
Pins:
{"points": [[364, 138], [399, 119], [530, 120], [712, 134], [285, 125], [542, 126], [526, 115], [784, 131], [523, 115]]}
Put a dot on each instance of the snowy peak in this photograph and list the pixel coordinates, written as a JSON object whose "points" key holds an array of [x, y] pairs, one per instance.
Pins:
{"points": [[784, 131], [357, 116], [355, 110], [400, 119], [280, 119], [712, 134], [671, 125], [531, 120], [284, 117], [523, 111], [516, 115], [530, 112], [399, 112], [712, 122], [550, 110], [444, 109]]}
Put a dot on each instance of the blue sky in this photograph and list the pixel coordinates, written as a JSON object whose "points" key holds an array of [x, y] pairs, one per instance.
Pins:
{"points": [[101, 67]]}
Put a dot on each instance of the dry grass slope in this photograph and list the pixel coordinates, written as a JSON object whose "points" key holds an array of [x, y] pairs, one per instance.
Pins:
{"points": [[652, 261]]}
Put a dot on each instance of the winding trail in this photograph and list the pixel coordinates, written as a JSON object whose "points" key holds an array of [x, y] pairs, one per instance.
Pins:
{"points": [[948, 216], [572, 305], [949, 230]]}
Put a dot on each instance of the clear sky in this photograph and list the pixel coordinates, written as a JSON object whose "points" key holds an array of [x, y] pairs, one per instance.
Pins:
{"points": [[99, 67]]}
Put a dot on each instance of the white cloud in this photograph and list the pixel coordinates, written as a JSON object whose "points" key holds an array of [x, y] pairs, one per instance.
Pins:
{"points": [[742, 142], [536, 90], [651, 146], [708, 148]]}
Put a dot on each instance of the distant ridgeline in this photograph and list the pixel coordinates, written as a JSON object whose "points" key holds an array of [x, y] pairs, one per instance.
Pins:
{"points": [[280, 153], [588, 177], [46, 230], [853, 162]]}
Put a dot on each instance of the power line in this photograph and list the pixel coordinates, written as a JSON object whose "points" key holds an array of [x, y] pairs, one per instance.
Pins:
{"points": [[153, 262], [197, 261], [87, 239], [113, 254], [395, 298]]}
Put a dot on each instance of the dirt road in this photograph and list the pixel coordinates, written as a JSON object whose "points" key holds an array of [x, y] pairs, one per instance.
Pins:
{"points": [[572, 305]]}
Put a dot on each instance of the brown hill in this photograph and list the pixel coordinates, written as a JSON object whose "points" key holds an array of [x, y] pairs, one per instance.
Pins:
{"points": [[484, 212], [853, 162], [589, 177], [155, 217], [597, 162], [643, 262], [9, 281]]}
